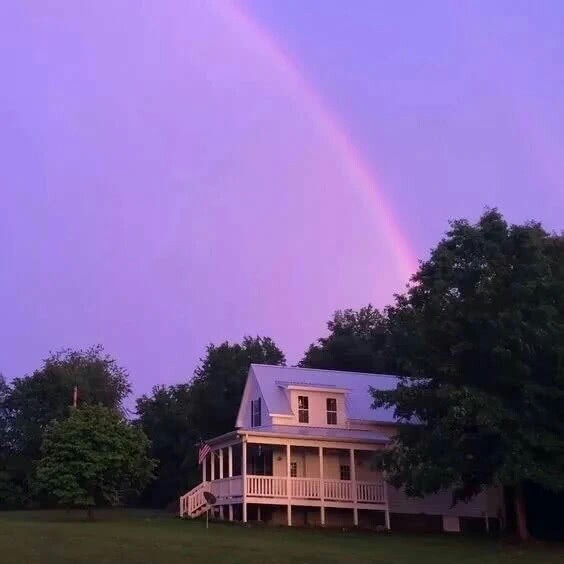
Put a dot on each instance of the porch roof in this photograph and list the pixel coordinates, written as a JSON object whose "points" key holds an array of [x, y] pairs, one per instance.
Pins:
{"points": [[320, 433]]}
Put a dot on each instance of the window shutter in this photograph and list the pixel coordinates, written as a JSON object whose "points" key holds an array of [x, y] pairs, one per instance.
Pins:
{"points": [[259, 413]]}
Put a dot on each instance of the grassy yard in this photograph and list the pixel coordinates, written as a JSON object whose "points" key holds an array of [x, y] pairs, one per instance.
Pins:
{"points": [[144, 537]]}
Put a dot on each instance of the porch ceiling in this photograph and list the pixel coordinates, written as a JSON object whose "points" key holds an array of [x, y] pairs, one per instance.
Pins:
{"points": [[317, 433]]}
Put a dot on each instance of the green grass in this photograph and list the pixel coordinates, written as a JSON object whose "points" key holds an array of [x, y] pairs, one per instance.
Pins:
{"points": [[147, 537]]}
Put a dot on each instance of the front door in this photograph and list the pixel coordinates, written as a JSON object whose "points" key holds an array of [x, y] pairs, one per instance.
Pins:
{"points": [[297, 469], [260, 461]]}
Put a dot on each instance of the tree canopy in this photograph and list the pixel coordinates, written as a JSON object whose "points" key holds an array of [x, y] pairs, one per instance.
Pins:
{"points": [[35, 400], [480, 333], [358, 341], [166, 417], [31, 402], [177, 417], [93, 458], [218, 382]]}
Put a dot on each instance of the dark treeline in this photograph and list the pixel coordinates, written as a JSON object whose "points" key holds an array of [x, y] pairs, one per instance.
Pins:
{"points": [[477, 339], [174, 418], [177, 418]]}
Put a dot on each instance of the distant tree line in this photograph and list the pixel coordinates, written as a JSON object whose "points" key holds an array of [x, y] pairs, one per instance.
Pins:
{"points": [[477, 340], [41, 431]]}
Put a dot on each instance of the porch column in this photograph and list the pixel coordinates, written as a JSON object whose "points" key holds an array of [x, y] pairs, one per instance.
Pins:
{"points": [[288, 485], [230, 461], [204, 465], [353, 487], [387, 512], [230, 512], [220, 463], [321, 487], [244, 477], [212, 460]]}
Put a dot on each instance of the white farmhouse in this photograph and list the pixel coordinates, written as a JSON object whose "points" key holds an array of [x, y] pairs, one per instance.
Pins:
{"points": [[301, 454]]}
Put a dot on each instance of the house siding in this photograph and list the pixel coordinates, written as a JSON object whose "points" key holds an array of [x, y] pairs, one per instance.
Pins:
{"points": [[308, 463], [487, 502], [252, 392], [317, 408]]}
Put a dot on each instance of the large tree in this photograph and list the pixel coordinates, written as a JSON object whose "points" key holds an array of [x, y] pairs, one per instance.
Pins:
{"points": [[4, 394], [35, 400], [166, 417], [218, 382], [93, 458], [358, 341], [480, 333], [30, 403], [176, 418], [11, 475]]}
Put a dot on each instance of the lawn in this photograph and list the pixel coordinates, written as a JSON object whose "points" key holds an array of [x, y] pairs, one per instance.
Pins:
{"points": [[143, 537]]}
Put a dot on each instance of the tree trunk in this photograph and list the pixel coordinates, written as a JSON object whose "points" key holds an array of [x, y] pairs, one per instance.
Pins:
{"points": [[520, 513]]}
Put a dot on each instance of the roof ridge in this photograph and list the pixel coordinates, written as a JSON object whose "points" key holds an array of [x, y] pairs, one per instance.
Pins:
{"points": [[325, 370]]}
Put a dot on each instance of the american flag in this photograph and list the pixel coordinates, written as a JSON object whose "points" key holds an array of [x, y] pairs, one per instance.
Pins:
{"points": [[203, 452]]}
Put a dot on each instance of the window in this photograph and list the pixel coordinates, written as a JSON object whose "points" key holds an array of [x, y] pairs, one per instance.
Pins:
{"points": [[256, 415], [260, 461], [331, 411], [293, 469], [303, 409], [345, 472]]}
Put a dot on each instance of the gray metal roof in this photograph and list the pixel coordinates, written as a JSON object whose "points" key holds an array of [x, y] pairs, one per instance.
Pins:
{"points": [[319, 433], [272, 379]]}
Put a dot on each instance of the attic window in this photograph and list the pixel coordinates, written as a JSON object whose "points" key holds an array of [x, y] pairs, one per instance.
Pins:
{"points": [[303, 409], [331, 411], [256, 415]]}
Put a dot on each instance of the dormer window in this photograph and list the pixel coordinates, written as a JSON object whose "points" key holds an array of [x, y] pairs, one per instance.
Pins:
{"points": [[303, 409], [256, 415], [331, 411]]}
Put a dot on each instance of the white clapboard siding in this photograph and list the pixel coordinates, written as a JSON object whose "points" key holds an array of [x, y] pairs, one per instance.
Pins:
{"points": [[436, 504]]}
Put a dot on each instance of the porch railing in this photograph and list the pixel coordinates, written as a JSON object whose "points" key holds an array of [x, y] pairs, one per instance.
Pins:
{"points": [[228, 490], [306, 488], [267, 486], [311, 488], [227, 487]]}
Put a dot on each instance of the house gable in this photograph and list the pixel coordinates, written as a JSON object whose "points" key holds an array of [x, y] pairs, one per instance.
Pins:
{"points": [[252, 393]]}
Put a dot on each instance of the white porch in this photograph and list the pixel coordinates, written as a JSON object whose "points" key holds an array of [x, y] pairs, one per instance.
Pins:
{"points": [[256, 471], [302, 491]]}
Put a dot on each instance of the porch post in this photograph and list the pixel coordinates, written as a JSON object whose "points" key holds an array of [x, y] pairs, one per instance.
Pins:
{"points": [[244, 476], [353, 487], [387, 512], [230, 512], [288, 485], [220, 463], [212, 460], [321, 487], [204, 465], [230, 461]]}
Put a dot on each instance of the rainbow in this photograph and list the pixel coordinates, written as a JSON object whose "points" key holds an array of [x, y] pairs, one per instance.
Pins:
{"points": [[357, 170]]}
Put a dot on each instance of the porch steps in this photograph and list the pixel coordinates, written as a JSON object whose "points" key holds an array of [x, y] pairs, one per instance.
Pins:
{"points": [[193, 503]]}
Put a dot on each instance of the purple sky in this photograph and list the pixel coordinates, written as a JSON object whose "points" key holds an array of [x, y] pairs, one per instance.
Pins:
{"points": [[178, 173]]}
